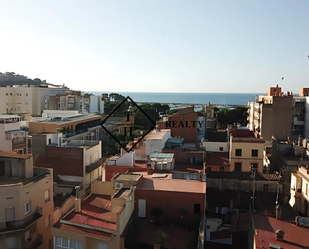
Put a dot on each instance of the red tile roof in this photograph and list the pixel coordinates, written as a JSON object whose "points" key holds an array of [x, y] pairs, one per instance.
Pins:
{"points": [[95, 211], [266, 227]]}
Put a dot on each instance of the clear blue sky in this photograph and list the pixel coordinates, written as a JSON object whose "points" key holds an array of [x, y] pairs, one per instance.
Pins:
{"points": [[158, 45]]}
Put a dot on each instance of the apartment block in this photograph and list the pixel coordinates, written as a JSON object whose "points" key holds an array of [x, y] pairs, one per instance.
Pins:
{"points": [[245, 150], [98, 222], [26, 208], [300, 191], [13, 135], [74, 163], [26, 99]]}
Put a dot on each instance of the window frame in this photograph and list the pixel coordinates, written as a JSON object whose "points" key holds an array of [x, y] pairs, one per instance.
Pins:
{"points": [[253, 154], [25, 205], [238, 150], [47, 199], [240, 166]]}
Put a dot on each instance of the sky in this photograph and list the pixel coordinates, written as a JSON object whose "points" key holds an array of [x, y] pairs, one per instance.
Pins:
{"points": [[237, 46]]}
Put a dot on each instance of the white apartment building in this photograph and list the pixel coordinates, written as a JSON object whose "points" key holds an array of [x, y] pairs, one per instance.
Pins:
{"points": [[13, 135], [26, 99]]}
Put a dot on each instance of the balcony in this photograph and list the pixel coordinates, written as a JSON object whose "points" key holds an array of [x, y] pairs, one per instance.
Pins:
{"points": [[19, 142], [33, 243], [18, 225]]}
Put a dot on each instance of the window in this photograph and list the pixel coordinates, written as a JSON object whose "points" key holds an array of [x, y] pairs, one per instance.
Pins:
{"points": [[26, 94], [49, 141], [254, 166], [47, 221], [238, 152], [64, 243], [222, 169], [10, 94], [254, 153], [101, 245], [6, 94], [27, 207], [221, 148], [197, 208], [237, 167], [47, 195]]}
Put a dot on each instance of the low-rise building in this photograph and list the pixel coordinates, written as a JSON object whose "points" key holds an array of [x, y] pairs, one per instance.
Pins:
{"points": [[13, 135], [26, 208], [74, 163], [97, 222], [246, 151], [300, 191]]}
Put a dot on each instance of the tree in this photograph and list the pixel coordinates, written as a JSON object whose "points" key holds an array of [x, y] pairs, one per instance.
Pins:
{"points": [[170, 112], [117, 97], [161, 236]]}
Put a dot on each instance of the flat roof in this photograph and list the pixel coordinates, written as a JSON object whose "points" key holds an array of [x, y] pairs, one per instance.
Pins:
{"points": [[68, 119], [266, 227], [157, 134], [14, 154], [162, 155], [95, 211], [173, 185], [127, 177]]}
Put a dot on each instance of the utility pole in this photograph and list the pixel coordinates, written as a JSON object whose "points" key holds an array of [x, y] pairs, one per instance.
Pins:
{"points": [[253, 172]]}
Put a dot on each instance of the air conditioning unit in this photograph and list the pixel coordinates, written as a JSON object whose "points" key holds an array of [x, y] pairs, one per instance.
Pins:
{"points": [[118, 185]]}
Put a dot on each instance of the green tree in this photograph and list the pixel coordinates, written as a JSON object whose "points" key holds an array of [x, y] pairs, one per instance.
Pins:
{"points": [[117, 97], [161, 237]]}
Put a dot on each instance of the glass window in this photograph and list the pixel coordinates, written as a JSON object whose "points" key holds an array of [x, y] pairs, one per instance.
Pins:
{"points": [[58, 241], [65, 242], [238, 152], [221, 148], [46, 194], [254, 153], [238, 167], [27, 207]]}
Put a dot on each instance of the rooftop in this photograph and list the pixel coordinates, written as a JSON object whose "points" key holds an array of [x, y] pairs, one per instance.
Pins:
{"points": [[242, 175], [217, 158], [127, 177], [65, 119], [95, 212], [174, 185], [13, 154], [157, 134], [266, 227]]}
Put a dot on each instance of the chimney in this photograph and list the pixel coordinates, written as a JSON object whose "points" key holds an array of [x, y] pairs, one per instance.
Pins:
{"points": [[279, 235], [78, 203]]}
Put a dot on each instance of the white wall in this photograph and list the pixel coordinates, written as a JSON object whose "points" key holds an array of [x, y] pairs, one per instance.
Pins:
{"points": [[215, 146], [156, 144], [307, 118], [127, 159]]}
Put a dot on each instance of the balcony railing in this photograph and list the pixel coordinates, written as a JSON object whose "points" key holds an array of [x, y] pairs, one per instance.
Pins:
{"points": [[21, 224], [33, 242]]}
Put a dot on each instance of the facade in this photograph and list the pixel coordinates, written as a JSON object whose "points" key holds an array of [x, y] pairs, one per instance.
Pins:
{"points": [[246, 150], [26, 203], [300, 191], [26, 99], [13, 136], [98, 222], [271, 115], [183, 124], [76, 163]]}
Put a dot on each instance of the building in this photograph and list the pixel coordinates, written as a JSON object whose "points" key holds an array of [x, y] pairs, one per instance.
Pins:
{"points": [[300, 191], [275, 233], [183, 124], [97, 222], [26, 203], [26, 99], [73, 125], [217, 161], [245, 151], [13, 134], [271, 115], [74, 163], [303, 92]]}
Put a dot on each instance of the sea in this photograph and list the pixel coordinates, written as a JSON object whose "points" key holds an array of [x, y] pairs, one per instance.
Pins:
{"points": [[218, 99]]}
